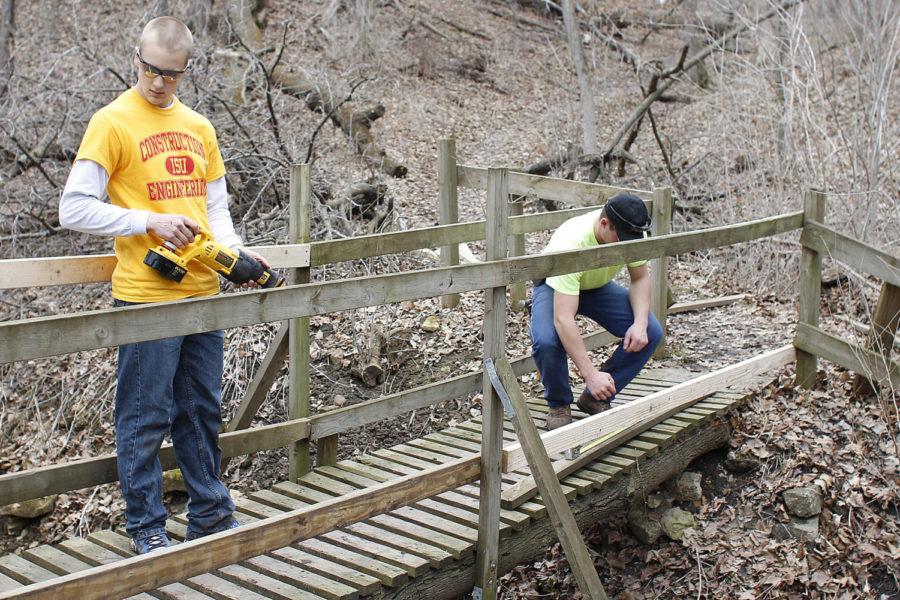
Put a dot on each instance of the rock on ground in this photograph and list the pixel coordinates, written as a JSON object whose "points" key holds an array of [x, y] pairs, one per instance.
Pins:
{"points": [[686, 487], [803, 502], [644, 527], [674, 521], [30, 509]]}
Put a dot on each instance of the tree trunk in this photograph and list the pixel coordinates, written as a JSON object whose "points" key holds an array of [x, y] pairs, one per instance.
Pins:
{"points": [[589, 139], [7, 29]]}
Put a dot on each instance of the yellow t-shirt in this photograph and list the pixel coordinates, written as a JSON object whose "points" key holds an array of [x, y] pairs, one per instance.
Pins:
{"points": [[158, 160], [575, 234]]}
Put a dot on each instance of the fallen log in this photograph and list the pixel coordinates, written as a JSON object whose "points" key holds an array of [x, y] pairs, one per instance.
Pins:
{"points": [[595, 508], [369, 369]]}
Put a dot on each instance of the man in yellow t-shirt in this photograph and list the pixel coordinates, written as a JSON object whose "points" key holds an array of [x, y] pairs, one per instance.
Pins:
{"points": [[160, 165], [592, 293]]}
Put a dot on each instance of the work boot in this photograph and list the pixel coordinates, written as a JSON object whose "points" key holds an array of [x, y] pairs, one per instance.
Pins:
{"points": [[557, 417], [591, 405]]}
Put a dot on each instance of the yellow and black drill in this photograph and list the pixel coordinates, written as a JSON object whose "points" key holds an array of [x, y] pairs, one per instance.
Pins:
{"points": [[234, 265]]}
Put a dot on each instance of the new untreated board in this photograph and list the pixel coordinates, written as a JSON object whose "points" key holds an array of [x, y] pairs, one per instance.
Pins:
{"points": [[680, 395]]}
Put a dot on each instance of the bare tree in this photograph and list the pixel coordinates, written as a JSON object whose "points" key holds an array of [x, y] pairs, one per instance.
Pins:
{"points": [[7, 30], [573, 36], [873, 28]]}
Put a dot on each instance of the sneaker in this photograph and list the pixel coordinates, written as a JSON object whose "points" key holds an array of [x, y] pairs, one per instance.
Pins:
{"points": [[591, 405], [150, 543], [232, 524], [558, 417]]}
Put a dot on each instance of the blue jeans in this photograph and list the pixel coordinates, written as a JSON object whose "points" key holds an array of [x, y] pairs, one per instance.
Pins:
{"points": [[610, 307], [173, 384]]}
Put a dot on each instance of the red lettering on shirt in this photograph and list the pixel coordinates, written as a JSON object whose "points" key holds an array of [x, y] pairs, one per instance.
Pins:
{"points": [[170, 141], [176, 189]]}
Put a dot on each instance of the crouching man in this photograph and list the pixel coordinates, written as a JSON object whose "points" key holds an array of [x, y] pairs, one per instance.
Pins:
{"points": [[623, 312]]}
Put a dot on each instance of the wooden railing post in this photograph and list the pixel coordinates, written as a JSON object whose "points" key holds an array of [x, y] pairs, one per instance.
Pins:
{"points": [[298, 337], [810, 287], [517, 248], [885, 323], [449, 209], [662, 225], [487, 550]]}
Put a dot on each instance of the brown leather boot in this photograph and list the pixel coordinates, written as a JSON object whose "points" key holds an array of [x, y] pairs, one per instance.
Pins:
{"points": [[591, 405], [557, 417]]}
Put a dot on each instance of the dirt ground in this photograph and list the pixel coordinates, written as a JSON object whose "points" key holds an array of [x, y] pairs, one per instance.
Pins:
{"points": [[509, 97]]}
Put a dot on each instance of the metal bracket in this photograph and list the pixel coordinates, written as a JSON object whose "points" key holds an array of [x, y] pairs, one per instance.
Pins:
{"points": [[491, 371]]}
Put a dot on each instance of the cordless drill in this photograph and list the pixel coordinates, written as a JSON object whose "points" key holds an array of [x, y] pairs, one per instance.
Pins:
{"points": [[234, 265]]}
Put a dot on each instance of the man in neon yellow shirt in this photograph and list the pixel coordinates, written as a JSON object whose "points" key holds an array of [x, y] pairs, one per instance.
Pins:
{"points": [[159, 163], [623, 312]]}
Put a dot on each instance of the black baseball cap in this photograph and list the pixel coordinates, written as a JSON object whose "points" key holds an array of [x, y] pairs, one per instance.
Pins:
{"points": [[629, 216]]}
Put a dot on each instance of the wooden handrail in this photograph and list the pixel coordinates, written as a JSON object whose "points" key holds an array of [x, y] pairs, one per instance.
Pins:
{"points": [[98, 268], [853, 253], [549, 188], [54, 335], [855, 358]]}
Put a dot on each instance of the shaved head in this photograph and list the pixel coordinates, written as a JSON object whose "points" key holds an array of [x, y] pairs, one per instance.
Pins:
{"points": [[169, 34]]}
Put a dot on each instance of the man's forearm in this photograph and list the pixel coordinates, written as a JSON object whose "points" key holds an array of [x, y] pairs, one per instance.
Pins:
{"points": [[81, 209], [639, 295], [571, 340]]}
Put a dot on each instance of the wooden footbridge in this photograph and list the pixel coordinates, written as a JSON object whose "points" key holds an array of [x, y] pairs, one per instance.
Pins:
{"points": [[445, 514]]}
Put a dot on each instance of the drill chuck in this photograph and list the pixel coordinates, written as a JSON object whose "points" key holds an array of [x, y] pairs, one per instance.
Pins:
{"points": [[249, 269]]}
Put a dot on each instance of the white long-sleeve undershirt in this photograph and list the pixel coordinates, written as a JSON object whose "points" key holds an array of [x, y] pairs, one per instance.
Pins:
{"points": [[82, 208]]}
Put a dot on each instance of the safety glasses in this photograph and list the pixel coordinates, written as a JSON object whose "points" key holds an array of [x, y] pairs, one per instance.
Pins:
{"points": [[168, 75]]}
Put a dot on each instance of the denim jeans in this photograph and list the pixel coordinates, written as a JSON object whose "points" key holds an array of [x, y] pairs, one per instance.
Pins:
{"points": [[610, 307], [173, 384]]}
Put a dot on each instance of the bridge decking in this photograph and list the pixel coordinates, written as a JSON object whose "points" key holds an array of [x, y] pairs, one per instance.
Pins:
{"points": [[381, 555]]}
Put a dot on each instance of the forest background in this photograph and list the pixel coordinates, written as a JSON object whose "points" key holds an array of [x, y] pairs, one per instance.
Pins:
{"points": [[788, 96]]}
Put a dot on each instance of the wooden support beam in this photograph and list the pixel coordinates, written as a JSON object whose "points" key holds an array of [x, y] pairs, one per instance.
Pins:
{"points": [[259, 386], [580, 193], [175, 563], [547, 483], [298, 335], [814, 341], [50, 336], [449, 207], [487, 549], [680, 396], [885, 323], [857, 255], [662, 225], [517, 248], [327, 450], [810, 286]]}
